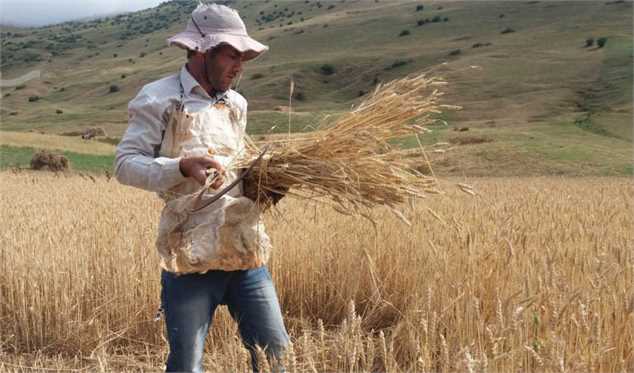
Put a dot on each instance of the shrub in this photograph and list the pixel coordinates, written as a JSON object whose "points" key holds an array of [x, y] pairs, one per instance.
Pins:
{"points": [[330, 7], [123, 76], [19, 87], [601, 42], [478, 45], [396, 64], [59, 111], [142, 54], [420, 22], [34, 98], [420, 7], [257, 76], [455, 52], [589, 42], [115, 55], [507, 30], [436, 19], [327, 69], [114, 88], [404, 33], [446, 19], [299, 96]]}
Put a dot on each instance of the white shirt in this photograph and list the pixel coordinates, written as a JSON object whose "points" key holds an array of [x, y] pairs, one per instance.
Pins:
{"points": [[137, 162]]}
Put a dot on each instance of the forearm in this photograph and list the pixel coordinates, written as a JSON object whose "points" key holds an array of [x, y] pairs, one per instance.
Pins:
{"points": [[153, 174]]}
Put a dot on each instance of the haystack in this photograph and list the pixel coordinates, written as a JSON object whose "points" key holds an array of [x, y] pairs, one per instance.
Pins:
{"points": [[353, 163], [54, 162]]}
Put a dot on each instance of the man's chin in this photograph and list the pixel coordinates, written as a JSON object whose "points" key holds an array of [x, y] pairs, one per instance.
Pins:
{"points": [[222, 87]]}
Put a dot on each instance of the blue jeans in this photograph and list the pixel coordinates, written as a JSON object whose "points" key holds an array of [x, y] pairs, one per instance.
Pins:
{"points": [[189, 302]]}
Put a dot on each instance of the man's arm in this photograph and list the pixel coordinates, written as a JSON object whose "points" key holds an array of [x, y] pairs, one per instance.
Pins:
{"points": [[135, 164]]}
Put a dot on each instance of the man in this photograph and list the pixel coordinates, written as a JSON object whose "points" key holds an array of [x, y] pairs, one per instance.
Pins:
{"points": [[183, 128]]}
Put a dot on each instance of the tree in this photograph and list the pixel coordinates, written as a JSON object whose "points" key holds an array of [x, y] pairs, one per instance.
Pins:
{"points": [[602, 41], [327, 69]]}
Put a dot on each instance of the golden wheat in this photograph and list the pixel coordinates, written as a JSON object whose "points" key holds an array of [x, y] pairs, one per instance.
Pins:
{"points": [[528, 275]]}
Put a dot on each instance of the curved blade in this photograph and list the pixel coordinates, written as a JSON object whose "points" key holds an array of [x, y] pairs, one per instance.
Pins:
{"points": [[226, 189]]}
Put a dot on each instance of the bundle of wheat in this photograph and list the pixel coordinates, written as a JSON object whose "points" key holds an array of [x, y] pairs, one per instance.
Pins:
{"points": [[54, 162], [352, 162]]}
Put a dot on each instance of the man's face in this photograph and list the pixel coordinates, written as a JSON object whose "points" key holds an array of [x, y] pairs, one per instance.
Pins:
{"points": [[224, 64]]}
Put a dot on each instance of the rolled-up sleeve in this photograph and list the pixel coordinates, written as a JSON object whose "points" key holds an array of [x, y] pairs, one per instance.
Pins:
{"points": [[135, 162]]}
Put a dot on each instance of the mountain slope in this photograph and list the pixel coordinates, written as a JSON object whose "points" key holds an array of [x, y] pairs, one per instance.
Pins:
{"points": [[534, 77]]}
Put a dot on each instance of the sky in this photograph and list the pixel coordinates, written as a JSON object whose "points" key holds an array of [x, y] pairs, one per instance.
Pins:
{"points": [[44, 12]]}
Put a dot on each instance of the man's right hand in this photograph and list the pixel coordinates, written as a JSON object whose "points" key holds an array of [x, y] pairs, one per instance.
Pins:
{"points": [[197, 168]]}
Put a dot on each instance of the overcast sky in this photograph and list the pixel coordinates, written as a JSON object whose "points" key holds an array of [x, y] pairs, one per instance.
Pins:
{"points": [[43, 12]]}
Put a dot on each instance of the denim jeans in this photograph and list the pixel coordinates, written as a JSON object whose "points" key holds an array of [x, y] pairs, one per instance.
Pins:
{"points": [[189, 302]]}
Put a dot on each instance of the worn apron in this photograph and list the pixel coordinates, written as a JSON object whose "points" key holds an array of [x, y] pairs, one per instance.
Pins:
{"points": [[227, 235]]}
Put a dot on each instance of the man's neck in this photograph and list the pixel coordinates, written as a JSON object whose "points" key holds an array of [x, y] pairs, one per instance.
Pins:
{"points": [[201, 79]]}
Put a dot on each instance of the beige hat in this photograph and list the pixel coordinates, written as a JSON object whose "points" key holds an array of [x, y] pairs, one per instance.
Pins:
{"points": [[211, 25]]}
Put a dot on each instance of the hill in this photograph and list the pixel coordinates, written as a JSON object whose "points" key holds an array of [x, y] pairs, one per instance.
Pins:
{"points": [[535, 99]]}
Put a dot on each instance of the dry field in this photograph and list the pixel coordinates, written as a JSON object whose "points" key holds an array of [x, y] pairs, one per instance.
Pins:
{"points": [[532, 274]]}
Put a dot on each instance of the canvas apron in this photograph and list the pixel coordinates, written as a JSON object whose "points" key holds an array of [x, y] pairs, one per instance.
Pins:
{"points": [[226, 235]]}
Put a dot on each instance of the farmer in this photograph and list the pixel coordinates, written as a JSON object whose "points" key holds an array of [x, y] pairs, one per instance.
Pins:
{"points": [[184, 131]]}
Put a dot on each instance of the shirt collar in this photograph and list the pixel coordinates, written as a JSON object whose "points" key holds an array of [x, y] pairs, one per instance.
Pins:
{"points": [[190, 83]]}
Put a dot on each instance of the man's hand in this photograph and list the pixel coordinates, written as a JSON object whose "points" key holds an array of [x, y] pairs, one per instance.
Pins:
{"points": [[198, 168]]}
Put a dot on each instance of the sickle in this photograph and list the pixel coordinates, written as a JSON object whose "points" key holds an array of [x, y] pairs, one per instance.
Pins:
{"points": [[226, 189]]}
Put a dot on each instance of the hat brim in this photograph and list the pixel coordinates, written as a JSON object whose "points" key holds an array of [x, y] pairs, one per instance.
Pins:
{"points": [[251, 48]]}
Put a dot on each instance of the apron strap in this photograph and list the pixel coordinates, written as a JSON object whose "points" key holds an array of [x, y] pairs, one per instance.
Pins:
{"points": [[178, 107]]}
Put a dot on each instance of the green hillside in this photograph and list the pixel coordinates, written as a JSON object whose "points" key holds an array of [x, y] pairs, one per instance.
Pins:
{"points": [[520, 70]]}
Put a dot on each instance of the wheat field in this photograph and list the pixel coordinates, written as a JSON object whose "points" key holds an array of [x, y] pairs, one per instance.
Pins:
{"points": [[530, 274]]}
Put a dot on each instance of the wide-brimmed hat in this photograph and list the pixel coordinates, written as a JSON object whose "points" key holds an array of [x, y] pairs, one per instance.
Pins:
{"points": [[211, 25]]}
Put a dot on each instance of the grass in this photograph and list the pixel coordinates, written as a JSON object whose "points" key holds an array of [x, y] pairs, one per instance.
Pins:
{"points": [[11, 156], [553, 148], [531, 274], [273, 122]]}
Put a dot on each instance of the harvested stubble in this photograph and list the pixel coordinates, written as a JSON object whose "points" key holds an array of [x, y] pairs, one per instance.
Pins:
{"points": [[352, 162]]}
